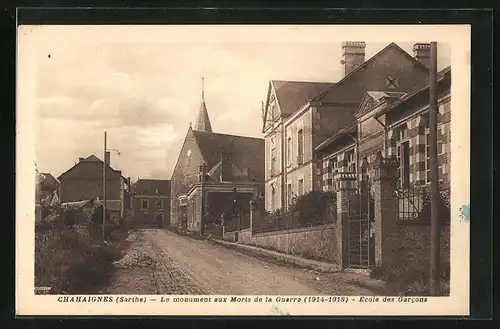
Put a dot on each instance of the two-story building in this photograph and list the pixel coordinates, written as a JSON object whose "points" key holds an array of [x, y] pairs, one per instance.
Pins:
{"points": [[151, 203], [299, 116], [84, 181], [396, 124]]}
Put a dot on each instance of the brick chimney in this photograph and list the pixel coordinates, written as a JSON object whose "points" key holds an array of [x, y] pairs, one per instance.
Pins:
{"points": [[422, 53], [107, 160], [353, 55]]}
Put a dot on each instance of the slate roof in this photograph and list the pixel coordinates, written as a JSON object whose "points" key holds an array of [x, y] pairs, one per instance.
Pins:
{"points": [[424, 86], [96, 170], [374, 98], [392, 45], [352, 128], [203, 121], [149, 186], [247, 152], [292, 95]]}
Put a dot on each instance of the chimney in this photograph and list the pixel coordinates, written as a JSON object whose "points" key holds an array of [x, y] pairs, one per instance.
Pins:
{"points": [[422, 53], [107, 160], [353, 55], [81, 159]]}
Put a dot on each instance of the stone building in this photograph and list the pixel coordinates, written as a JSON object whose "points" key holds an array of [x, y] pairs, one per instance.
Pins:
{"points": [[299, 116], [151, 203], [210, 169], [84, 181]]}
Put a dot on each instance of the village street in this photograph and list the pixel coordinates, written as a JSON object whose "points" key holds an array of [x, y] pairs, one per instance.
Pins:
{"points": [[162, 262]]}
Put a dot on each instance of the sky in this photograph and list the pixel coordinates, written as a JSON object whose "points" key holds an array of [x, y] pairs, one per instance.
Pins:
{"points": [[145, 93]]}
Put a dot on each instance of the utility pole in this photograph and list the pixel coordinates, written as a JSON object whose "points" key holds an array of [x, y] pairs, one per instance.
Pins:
{"points": [[435, 227], [202, 169], [104, 188]]}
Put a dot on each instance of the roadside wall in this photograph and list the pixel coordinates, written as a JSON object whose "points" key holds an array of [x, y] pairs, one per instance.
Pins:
{"points": [[317, 242], [414, 247]]}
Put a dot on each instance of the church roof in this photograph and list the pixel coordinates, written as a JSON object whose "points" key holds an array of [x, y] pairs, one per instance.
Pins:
{"points": [[203, 121], [247, 152]]}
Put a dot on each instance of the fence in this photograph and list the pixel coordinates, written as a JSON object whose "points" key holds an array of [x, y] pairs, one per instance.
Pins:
{"points": [[293, 219], [237, 222], [414, 203]]}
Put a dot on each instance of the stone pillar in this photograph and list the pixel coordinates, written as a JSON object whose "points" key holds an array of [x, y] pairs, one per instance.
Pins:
{"points": [[386, 210], [345, 186]]}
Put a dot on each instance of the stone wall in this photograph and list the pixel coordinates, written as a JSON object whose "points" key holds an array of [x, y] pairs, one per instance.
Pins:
{"points": [[414, 247], [317, 242]]}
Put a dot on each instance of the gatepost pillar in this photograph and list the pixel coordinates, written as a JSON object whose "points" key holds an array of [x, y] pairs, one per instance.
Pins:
{"points": [[345, 186], [386, 210]]}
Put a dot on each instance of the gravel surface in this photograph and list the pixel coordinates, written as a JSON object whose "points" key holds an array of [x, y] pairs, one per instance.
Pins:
{"points": [[162, 262]]}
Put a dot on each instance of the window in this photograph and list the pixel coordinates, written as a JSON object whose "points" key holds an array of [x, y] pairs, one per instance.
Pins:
{"points": [[159, 204], [391, 82], [300, 149], [145, 217], [289, 194], [273, 197], [301, 187], [440, 148], [403, 157], [335, 163], [403, 132], [289, 151], [144, 204], [351, 161], [273, 156], [330, 166], [427, 157]]}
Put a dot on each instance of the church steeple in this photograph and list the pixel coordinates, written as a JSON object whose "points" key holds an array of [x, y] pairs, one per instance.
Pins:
{"points": [[203, 121]]}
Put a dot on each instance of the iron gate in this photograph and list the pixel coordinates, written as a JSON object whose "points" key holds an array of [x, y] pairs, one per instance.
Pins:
{"points": [[361, 228]]}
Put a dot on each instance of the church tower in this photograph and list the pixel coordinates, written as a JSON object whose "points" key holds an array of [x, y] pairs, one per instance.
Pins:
{"points": [[203, 121]]}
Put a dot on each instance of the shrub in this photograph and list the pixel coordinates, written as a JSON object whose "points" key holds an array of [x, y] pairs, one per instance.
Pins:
{"points": [[408, 280], [312, 206], [443, 205], [69, 261]]}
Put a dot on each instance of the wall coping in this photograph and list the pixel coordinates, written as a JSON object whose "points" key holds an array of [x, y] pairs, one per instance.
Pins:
{"points": [[297, 230], [420, 223]]}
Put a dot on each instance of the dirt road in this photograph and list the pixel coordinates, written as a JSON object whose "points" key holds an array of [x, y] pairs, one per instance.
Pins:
{"points": [[162, 262]]}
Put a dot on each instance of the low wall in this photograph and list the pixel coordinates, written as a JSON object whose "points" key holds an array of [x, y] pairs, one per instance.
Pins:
{"points": [[317, 242], [414, 247]]}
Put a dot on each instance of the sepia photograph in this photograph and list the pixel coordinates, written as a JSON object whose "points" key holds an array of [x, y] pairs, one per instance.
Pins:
{"points": [[176, 164]]}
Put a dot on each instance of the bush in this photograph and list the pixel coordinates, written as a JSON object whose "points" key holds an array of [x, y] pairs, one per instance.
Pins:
{"points": [[410, 281], [312, 206], [68, 261]]}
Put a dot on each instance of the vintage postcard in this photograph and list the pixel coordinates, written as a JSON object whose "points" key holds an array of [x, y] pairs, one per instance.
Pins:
{"points": [[243, 170]]}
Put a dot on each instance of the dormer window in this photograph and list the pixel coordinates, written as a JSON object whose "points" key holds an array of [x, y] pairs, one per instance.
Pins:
{"points": [[391, 82]]}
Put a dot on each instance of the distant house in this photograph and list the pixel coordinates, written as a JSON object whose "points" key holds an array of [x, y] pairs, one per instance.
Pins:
{"points": [[84, 181], [299, 116], [233, 165], [46, 193], [151, 202]]}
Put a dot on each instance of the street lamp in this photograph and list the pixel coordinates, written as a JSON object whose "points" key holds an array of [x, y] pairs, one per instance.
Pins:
{"points": [[104, 184]]}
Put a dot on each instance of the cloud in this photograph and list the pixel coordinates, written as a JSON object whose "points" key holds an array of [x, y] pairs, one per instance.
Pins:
{"points": [[145, 94], [235, 116]]}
